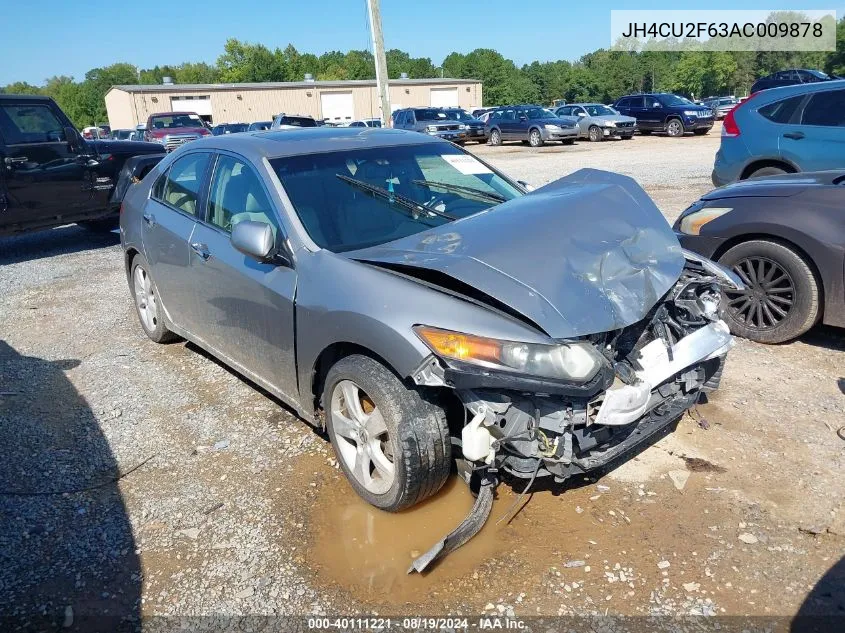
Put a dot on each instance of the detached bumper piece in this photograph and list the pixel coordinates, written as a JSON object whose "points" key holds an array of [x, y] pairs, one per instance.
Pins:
{"points": [[468, 528]]}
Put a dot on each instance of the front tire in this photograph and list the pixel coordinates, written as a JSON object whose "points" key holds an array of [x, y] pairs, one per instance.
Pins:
{"points": [[595, 134], [781, 299], [495, 137], [392, 444], [674, 128], [147, 304], [535, 139]]}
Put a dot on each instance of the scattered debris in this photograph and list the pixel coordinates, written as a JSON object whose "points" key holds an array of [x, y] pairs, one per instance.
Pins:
{"points": [[575, 563], [664, 564], [191, 533], [691, 587], [221, 445], [679, 478], [750, 539]]}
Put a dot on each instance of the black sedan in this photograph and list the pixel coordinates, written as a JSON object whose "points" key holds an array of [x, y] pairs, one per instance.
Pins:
{"points": [[785, 238]]}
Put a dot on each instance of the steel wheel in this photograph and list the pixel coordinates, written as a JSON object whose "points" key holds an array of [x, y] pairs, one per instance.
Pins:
{"points": [[768, 297], [362, 437], [534, 138], [674, 128], [145, 299]]}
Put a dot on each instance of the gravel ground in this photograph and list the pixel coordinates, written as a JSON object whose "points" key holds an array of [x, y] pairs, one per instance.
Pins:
{"points": [[238, 508]]}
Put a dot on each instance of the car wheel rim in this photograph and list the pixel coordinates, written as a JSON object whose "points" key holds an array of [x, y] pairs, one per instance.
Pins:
{"points": [[768, 297], [145, 299], [535, 138], [594, 134], [674, 128], [494, 138], [362, 438]]}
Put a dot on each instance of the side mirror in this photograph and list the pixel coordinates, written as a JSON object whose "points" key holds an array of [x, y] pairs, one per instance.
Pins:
{"points": [[656, 105], [72, 138], [254, 239], [522, 117], [527, 186]]}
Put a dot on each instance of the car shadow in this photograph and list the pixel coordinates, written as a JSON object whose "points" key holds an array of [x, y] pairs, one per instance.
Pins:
{"points": [[50, 242], [67, 553], [824, 607], [826, 336]]}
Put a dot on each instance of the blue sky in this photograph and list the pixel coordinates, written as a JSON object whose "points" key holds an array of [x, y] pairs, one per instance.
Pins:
{"points": [[62, 37]]}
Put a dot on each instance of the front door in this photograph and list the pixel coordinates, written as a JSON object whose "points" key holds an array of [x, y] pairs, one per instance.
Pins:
{"points": [[246, 306], [167, 226], [44, 177], [652, 114]]}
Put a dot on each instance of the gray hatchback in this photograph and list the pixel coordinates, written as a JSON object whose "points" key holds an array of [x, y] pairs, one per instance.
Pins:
{"points": [[431, 309]]}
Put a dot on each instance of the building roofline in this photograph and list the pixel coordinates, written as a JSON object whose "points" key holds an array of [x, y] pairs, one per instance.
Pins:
{"points": [[270, 85]]}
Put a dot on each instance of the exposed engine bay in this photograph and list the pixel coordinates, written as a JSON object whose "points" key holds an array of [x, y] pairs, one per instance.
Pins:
{"points": [[652, 372]]}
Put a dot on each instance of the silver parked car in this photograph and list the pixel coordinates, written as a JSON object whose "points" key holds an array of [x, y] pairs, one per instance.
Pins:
{"points": [[424, 308], [597, 121]]}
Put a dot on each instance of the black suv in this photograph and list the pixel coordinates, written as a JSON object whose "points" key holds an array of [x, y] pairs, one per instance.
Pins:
{"points": [[790, 78], [50, 175], [663, 112]]}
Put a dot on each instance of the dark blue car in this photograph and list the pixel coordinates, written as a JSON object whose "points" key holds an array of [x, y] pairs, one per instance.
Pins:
{"points": [[664, 112]]}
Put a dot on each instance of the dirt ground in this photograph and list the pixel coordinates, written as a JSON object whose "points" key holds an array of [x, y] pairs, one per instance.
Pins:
{"points": [[241, 508]]}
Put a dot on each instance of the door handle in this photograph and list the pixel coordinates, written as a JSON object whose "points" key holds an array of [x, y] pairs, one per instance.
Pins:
{"points": [[795, 136], [150, 219], [11, 160], [201, 250]]}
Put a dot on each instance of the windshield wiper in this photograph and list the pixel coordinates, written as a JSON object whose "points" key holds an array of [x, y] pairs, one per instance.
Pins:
{"points": [[414, 208], [460, 189]]}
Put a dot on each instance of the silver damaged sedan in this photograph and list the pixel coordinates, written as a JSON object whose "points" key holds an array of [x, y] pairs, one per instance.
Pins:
{"points": [[423, 308]]}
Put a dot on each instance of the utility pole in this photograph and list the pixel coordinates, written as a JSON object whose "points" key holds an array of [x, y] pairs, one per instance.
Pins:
{"points": [[381, 61]]}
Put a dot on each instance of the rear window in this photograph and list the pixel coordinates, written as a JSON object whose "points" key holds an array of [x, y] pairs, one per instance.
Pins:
{"points": [[298, 121], [825, 108], [781, 111]]}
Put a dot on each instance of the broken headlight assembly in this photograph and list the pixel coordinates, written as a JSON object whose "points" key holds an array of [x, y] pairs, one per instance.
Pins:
{"points": [[692, 222], [577, 361]]}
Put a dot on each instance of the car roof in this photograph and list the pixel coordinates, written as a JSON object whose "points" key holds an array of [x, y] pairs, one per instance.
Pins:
{"points": [[155, 114], [298, 142], [6, 97], [797, 89]]}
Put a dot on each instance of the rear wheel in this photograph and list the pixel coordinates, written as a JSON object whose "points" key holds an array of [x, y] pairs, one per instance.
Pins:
{"points": [[674, 128], [392, 444], [767, 171], [781, 298], [595, 134], [495, 137], [535, 139], [147, 304]]}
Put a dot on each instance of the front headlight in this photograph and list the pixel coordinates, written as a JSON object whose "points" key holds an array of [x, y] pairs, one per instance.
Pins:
{"points": [[431, 128], [462, 127], [577, 361], [692, 223], [610, 124], [691, 112], [552, 128]]}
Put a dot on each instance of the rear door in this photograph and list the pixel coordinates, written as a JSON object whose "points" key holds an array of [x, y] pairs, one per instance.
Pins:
{"points": [[818, 142], [170, 216], [44, 178], [508, 124], [245, 306]]}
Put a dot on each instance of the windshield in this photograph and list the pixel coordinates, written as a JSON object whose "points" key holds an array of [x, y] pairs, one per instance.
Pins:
{"points": [[598, 110], [430, 114], [330, 191], [674, 100], [176, 120], [539, 113], [459, 115]]}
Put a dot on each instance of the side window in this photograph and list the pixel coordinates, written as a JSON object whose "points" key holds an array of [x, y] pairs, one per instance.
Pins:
{"points": [[635, 102], [182, 185], [567, 111], [236, 195], [30, 123], [781, 111], [825, 108], [508, 115]]}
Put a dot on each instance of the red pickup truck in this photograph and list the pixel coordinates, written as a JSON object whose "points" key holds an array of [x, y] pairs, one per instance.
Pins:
{"points": [[172, 129]]}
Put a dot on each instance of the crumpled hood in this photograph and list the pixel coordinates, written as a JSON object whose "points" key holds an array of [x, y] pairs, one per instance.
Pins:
{"points": [[587, 253]]}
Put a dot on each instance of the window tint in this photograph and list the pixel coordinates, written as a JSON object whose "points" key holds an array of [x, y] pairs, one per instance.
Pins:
{"points": [[635, 102], [30, 124], [825, 108], [508, 115], [625, 102], [183, 181], [564, 111], [781, 111], [236, 195]]}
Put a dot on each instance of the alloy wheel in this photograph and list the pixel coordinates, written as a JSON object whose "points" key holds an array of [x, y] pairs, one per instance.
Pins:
{"points": [[595, 134], [768, 296], [674, 128], [534, 138], [145, 299], [362, 437]]}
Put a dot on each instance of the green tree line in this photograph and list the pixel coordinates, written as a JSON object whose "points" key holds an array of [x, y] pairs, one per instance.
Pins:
{"points": [[602, 75]]}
